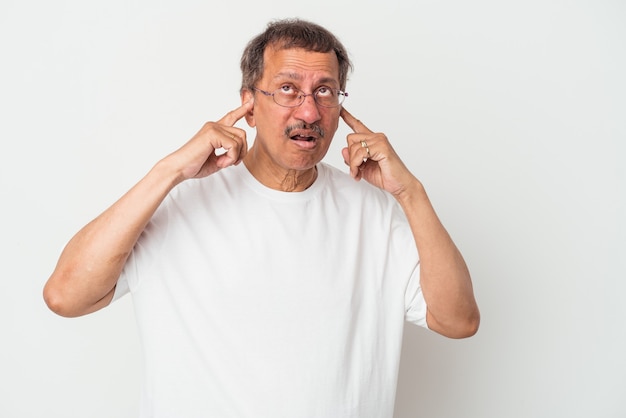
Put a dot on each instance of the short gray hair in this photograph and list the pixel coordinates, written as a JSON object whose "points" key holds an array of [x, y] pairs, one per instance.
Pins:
{"points": [[291, 33]]}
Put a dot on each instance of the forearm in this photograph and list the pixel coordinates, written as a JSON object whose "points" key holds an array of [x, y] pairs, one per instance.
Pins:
{"points": [[86, 274], [87, 271], [445, 279]]}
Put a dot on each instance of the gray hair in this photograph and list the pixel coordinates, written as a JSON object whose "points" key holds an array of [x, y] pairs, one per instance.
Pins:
{"points": [[291, 33]]}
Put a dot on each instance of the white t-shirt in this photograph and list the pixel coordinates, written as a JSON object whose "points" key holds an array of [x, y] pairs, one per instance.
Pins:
{"points": [[257, 303]]}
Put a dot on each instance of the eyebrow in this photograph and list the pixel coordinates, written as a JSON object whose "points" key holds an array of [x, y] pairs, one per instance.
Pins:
{"points": [[298, 77]]}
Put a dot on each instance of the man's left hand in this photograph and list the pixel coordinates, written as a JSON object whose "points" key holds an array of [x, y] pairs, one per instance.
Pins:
{"points": [[370, 156]]}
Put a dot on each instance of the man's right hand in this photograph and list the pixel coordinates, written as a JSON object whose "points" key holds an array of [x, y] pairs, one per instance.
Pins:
{"points": [[201, 156], [85, 277]]}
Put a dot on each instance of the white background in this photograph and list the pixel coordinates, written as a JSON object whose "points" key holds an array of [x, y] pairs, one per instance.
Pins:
{"points": [[511, 113]]}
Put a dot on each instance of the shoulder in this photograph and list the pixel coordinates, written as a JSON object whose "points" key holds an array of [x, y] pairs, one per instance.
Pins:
{"points": [[338, 181], [196, 196], [226, 178]]}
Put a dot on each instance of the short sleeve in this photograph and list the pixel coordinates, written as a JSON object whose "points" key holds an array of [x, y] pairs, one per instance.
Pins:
{"points": [[121, 288], [127, 277], [144, 253], [414, 300]]}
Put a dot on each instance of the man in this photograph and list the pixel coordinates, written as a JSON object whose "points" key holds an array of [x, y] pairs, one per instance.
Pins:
{"points": [[277, 287]]}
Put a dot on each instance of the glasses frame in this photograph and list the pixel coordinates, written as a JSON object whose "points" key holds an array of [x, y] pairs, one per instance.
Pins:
{"points": [[302, 96]]}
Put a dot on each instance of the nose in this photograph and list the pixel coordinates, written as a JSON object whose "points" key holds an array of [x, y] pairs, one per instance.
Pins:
{"points": [[308, 111]]}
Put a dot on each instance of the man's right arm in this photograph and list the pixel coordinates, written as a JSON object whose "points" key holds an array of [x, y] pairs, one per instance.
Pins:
{"points": [[87, 271], [86, 274]]}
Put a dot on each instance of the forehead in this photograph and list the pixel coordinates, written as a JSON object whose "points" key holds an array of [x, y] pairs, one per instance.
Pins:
{"points": [[300, 65]]}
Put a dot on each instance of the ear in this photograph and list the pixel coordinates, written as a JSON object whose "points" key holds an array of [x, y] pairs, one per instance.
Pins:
{"points": [[247, 95]]}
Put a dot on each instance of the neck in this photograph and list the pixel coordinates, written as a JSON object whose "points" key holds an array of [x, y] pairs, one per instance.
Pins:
{"points": [[294, 181], [284, 180]]}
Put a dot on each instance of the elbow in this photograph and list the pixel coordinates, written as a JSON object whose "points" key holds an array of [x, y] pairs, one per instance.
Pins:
{"points": [[464, 326], [57, 300], [61, 299], [71, 301], [470, 325], [463, 329]]}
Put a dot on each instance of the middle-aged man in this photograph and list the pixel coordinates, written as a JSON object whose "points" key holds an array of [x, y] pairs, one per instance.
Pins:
{"points": [[278, 287]]}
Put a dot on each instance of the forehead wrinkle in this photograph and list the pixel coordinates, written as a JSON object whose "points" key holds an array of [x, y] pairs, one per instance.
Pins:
{"points": [[288, 74], [301, 66]]}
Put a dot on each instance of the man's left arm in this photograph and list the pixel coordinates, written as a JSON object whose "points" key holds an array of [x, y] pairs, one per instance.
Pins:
{"points": [[444, 277]]}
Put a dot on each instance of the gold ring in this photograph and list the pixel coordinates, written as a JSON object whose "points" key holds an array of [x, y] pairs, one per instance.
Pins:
{"points": [[364, 144]]}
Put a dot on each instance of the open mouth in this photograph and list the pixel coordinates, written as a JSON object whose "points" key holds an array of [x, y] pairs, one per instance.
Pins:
{"points": [[303, 138], [302, 133]]}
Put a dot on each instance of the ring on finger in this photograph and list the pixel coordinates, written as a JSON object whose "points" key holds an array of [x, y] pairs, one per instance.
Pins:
{"points": [[367, 150]]}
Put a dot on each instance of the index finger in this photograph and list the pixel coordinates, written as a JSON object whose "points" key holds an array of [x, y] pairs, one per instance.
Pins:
{"points": [[234, 115], [355, 124]]}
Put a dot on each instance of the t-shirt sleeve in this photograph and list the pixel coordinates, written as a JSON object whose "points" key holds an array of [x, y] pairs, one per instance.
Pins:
{"points": [[121, 288], [404, 251], [144, 253], [414, 301], [129, 277]]}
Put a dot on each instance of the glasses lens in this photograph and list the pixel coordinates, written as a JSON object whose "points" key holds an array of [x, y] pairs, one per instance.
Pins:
{"points": [[324, 96], [288, 97]]}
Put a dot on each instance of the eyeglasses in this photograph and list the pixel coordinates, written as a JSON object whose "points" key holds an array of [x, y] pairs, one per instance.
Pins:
{"points": [[288, 96]]}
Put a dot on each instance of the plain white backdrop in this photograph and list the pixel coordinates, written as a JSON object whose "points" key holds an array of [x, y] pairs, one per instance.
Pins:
{"points": [[513, 114]]}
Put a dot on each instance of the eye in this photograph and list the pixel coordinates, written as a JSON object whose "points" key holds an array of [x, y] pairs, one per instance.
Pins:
{"points": [[287, 89], [324, 92]]}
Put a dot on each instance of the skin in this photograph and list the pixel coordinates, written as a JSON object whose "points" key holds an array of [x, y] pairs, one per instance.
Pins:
{"points": [[85, 277], [277, 160], [444, 277]]}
